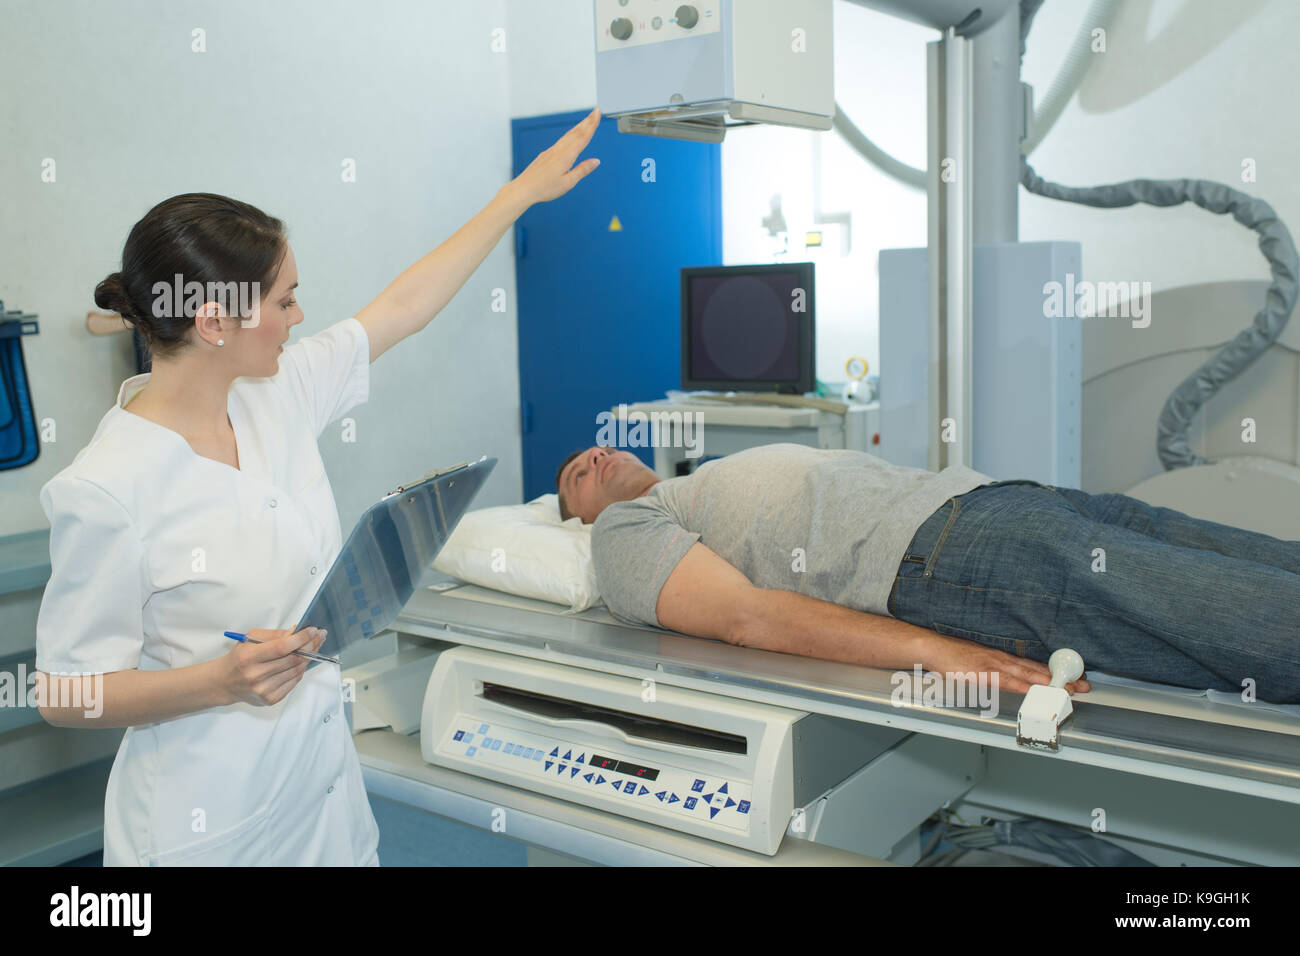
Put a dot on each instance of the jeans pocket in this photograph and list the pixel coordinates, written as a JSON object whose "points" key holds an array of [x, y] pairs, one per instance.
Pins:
{"points": [[938, 544], [1008, 645]]}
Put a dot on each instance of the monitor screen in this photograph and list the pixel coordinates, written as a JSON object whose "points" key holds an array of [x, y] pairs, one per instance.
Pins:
{"points": [[748, 328]]}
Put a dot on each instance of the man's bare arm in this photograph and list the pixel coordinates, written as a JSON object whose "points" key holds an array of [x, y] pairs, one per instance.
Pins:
{"points": [[705, 596]]}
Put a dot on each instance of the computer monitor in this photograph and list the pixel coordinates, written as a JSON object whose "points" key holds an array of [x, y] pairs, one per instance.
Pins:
{"points": [[748, 328]]}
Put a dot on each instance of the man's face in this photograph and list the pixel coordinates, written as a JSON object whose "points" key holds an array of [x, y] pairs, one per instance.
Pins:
{"points": [[601, 476]]}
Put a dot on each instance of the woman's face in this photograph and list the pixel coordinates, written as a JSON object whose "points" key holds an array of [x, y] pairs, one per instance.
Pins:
{"points": [[261, 338]]}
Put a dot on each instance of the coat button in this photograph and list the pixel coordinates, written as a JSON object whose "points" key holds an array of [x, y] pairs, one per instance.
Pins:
{"points": [[313, 569], [272, 502], [331, 789], [327, 718]]}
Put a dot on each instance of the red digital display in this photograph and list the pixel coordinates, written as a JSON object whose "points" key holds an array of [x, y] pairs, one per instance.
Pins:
{"points": [[622, 766]]}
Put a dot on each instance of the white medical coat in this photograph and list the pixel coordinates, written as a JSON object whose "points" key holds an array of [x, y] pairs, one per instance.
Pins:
{"points": [[155, 551]]}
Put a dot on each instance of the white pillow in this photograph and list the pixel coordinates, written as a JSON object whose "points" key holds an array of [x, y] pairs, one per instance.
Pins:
{"points": [[524, 550]]}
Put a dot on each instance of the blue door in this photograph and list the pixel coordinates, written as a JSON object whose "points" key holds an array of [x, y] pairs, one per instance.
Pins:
{"points": [[599, 283]]}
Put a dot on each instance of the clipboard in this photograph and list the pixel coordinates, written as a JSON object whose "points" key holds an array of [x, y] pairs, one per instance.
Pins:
{"points": [[389, 555]]}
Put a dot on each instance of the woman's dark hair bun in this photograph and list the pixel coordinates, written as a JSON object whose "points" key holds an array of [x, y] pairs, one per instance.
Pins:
{"points": [[192, 238], [111, 294]]}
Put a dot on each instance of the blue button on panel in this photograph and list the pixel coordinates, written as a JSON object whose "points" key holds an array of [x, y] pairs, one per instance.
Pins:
{"points": [[496, 744], [743, 806], [587, 777], [551, 763], [510, 748], [643, 791], [537, 755], [722, 789], [630, 787], [690, 803], [730, 802], [574, 772], [471, 751], [674, 798], [698, 786], [459, 735], [482, 728]]}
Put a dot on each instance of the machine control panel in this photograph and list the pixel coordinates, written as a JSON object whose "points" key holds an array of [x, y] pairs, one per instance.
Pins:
{"points": [[623, 23], [558, 765]]}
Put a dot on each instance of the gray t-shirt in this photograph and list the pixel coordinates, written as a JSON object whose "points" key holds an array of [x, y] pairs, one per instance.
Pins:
{"points": [[830, 524]]}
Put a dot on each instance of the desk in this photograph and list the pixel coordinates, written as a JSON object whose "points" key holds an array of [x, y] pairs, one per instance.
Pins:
{"points": [[731, 428], [24, 561]]}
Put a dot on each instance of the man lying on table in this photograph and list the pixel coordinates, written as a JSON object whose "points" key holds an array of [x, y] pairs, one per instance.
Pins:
{"points": [[843, 556]]}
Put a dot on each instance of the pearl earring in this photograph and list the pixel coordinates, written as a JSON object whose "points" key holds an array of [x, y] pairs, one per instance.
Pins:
{"points": [[221, 341]]}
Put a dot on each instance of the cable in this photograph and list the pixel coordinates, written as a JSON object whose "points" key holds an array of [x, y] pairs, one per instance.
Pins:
{"points": [[1078, 60], [894, 168], [1073, 847], [1275, 243]]}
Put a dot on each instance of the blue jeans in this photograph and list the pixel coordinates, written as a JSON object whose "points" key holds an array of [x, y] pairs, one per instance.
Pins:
{"points": [[1018, 566]]}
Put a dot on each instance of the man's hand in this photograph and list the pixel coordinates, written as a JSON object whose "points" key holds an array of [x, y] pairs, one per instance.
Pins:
{"points": [[952, 655]]}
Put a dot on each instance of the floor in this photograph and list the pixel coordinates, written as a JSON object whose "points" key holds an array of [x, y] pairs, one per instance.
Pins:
{"points": [[410, 837]]}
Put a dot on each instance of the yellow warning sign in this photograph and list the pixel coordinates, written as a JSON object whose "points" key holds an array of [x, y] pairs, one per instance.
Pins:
{"points": [[615, 225]]}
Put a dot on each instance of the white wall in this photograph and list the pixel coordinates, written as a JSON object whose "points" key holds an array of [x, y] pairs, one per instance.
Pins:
{"points": [[552, 56], [286, 90]]}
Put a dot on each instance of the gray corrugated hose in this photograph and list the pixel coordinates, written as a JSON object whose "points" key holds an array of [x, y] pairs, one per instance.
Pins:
{"points": [[1274, 242]]}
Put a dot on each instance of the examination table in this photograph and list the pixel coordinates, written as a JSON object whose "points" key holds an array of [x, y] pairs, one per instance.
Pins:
{"points": [[1166, 773]]}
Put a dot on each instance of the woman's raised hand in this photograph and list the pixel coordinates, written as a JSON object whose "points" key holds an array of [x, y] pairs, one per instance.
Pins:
{"points": [[552, 173]]}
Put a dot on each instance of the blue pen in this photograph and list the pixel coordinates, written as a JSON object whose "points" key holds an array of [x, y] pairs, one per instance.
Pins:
{"points": [[235, 635]]}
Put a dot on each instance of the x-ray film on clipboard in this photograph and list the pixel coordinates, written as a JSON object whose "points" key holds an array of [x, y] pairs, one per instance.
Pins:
{"points": [[389, 555]]}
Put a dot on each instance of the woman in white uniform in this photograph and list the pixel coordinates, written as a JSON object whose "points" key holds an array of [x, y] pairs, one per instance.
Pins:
{"points": [[201, 505]]}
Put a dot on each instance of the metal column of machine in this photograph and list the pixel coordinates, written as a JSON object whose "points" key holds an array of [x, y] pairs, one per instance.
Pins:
{"points": [[951, 171]]}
